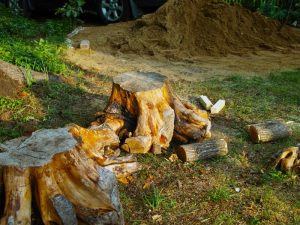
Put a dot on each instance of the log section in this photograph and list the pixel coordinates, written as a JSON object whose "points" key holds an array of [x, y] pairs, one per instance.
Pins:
{"points": [[202, 150]]}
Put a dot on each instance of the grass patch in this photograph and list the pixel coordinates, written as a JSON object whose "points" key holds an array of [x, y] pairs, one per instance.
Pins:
{"points": [[156, 200], [219, 194], [274, 176], [256, 98], [33, 45]]}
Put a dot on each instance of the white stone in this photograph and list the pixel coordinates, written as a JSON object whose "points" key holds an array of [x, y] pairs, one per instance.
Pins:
{"points": [[85, 44], [237, 189], [205, 102], [216, 108]]}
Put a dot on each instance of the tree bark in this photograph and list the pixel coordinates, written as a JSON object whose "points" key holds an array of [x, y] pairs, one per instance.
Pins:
{"points": [[142, 104], [202, 150], [268, 131], [72, 172]]}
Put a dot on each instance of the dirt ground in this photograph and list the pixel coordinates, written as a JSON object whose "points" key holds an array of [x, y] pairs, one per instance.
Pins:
{"points": [[205, 39], [205, 67]]}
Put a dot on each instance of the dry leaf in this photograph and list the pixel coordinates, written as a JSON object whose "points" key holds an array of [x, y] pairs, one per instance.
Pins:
{"points": [[173, 158], [148, 182], [23, 94], [126, 180]]}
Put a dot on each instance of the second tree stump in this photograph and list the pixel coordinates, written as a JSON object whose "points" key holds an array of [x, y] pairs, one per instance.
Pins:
{"points": [[143, 110]]}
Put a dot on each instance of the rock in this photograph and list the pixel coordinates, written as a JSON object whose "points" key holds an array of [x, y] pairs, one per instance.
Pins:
{"points": [[237, 189], [216, 108], [205, 102], [85, 44], [12, 79]]}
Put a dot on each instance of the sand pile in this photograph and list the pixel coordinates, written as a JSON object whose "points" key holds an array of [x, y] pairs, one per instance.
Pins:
{"points": [[184, 28]]}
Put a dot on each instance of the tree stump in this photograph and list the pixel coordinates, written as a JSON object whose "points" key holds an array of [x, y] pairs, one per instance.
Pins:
{"points": [[68, 173], [202, 150], [144, 112], [268, 131]]}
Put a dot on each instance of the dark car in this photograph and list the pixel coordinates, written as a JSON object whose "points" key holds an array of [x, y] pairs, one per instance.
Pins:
{"points": [[109, 11]]}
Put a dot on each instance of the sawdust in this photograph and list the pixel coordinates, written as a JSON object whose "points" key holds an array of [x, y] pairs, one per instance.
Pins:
{"points": [[184, 28], [191, 39]]}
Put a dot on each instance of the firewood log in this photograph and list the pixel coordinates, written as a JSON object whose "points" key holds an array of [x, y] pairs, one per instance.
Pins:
{"points": [[268, 131], [202, 150]]}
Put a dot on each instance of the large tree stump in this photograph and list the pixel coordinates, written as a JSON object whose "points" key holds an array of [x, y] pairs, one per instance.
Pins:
{"points": [[143, 111], [68, 172]]}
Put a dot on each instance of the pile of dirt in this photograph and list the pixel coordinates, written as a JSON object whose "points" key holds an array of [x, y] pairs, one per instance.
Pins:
{"points": [[184, 28]]}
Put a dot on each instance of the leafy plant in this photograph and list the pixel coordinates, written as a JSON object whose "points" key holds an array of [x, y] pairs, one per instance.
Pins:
{"points": [[277, 9], [33, 45], [72, 9], [14, 6], [28, 77]]}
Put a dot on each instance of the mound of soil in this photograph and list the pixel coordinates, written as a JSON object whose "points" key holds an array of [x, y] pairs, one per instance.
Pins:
{"points": [[184, 28]]}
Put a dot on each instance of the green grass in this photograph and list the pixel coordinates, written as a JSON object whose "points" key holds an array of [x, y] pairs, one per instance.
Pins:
{"points": [[256, 98], [33, 45], [157, 200], [219, 194]]}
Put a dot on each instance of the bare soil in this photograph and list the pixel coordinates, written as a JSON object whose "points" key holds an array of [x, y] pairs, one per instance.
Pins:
{"points": [[191, 40]]}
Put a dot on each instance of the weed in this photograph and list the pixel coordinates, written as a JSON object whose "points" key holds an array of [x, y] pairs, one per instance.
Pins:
{"points": [[254, 221], [219, 194], [7, 103], [274, 176], [154, 199], [9, 133], [28, 77], [33, 45]]}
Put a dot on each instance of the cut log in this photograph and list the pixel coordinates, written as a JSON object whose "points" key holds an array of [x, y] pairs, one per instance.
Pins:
{"points": [[72, 171], [202, 150], [142, 104], [268, 131]]}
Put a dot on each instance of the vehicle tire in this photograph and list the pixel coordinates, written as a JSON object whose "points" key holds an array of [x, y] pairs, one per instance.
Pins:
{"points": [[112, 11]]}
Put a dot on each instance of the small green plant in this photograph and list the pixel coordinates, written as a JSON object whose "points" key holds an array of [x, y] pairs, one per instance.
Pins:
{"points": [[8, 133], [72, 9], [28, 77], [6, 103], [274, 176], [254, 221], [219, 194], [33, 45], [154, 199]]}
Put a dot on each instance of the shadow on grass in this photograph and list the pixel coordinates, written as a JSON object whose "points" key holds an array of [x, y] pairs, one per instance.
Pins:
{"points": [[50, 105]]}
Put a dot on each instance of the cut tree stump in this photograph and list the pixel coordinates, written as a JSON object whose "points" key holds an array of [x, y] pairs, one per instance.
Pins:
{"points": [[202, 150], [268, 131], [70, 171], [144, 112]]}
